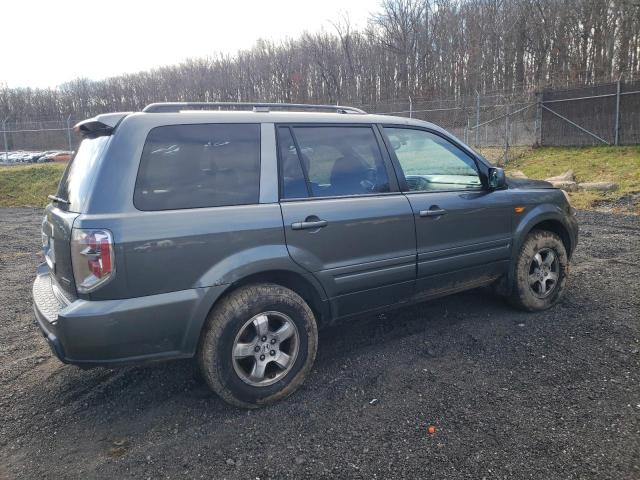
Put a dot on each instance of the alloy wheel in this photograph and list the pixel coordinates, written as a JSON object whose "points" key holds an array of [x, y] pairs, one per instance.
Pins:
{"points": [[544, 272], [265, 349]]}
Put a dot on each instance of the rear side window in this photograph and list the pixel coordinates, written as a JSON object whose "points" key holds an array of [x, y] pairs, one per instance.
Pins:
{"points": [[80, 173], [336, 161], [194, 166]]}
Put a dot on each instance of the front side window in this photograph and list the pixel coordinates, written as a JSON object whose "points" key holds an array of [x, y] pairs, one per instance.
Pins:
{"points": [[429, 162], [336, 161], [193, 166]]}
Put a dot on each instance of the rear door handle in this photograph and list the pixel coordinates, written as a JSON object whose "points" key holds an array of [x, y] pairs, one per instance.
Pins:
{"points": [[433, 212], [308, 225]]}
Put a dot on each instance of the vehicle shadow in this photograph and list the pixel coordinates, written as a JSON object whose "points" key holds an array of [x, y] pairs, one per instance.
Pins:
{"points": [[149, 384], [156, 404]]}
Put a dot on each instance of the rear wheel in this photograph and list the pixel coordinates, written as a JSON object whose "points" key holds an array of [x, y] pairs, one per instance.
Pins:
{"points": [[258, 345], [540, 272]]}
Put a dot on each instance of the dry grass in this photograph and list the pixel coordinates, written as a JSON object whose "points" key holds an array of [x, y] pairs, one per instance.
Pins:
{"points": [[620, 165], [29, 185], [496, 154]]}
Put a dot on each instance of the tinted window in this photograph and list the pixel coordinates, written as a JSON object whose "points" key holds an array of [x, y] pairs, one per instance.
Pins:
{"points": [[430, 162], [341, 160], [79, 174], [191, 166], [291, 175]]}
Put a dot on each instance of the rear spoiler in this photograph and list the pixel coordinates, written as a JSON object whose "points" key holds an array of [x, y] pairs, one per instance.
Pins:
{"points": [[100, 125]]}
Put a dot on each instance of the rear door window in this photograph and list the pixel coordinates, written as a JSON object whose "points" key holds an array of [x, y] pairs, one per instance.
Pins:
{"points": [[194, 166], [292, 178], [337, 161]]}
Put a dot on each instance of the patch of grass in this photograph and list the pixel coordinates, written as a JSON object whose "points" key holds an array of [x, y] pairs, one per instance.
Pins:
{"points": [[620, 165], [29, 185], [496, 154]]}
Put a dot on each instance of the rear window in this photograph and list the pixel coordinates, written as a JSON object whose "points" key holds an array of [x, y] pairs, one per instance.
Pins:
{"points": [[194, 166], [78, 176]]}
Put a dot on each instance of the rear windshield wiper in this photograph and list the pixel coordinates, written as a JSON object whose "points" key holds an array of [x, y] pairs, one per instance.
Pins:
{"points": [[58, 199]]}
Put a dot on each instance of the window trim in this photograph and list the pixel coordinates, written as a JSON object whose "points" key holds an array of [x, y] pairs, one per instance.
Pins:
{"points": [[339, 197], [305, 174], [260, 159], [481, 167], [394, 187]]}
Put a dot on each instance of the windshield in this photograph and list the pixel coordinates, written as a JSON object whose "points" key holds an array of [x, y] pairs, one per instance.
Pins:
{"points": [[78, 176]]}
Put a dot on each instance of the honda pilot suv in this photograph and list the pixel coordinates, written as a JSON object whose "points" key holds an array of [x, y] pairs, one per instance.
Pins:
{"points": [[231, 232]]}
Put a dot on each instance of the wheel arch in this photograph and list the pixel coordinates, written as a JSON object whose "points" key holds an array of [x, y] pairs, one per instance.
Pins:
{"points": [[303, 284], [557, 227], [544, 217]]}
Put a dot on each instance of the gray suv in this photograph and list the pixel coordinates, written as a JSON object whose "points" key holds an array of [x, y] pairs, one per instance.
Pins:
{"points": [[231, 232]]}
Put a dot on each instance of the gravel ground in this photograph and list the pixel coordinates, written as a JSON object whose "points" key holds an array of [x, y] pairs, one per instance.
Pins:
{"points": [[511, 395]]}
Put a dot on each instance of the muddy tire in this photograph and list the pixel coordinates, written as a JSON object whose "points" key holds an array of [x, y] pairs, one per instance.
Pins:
{"points": [[540, 272], [258, 345]]}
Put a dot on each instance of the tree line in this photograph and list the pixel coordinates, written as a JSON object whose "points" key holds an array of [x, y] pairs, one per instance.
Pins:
{"points": [[409, 48]]}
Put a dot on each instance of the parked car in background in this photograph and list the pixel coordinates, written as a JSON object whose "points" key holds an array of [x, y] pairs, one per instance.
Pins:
{"points": [[57, 156], [61, 157], [36, 157], [231, 236]]}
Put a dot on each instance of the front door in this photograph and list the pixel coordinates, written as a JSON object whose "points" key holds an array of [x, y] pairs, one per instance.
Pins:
{"points": [[344, 218], [463, 231]]}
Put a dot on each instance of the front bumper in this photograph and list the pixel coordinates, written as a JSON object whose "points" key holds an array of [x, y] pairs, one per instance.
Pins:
{"points": [[126, 331]]}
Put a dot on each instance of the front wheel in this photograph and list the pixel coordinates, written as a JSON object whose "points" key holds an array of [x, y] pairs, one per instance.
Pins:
{"points": [[258, 345], [540, 272]]}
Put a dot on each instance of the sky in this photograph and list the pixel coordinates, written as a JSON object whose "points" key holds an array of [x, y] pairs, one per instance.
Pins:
{"points": [[44, 43]]}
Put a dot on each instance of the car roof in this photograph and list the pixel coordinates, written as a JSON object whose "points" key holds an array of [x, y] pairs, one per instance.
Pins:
{"points": [[147, 120], [199, 116], [286, 117]]}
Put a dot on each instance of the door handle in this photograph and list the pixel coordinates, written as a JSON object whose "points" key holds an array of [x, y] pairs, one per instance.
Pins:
{"points": [[433, 211], [308, 225]]}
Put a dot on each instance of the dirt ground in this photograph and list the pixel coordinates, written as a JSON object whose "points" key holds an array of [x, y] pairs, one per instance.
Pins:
{"points": [[511, 395]]}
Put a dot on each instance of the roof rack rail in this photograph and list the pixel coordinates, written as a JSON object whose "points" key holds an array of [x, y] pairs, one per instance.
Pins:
{"points": [[174, 107]]}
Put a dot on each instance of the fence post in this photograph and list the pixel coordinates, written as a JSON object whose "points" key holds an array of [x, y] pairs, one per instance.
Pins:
{"points": [[538, 122], [69, 132], [466, 131], [477, 118], [6, 142], [506, 136], [617, 132], [410, 107]]}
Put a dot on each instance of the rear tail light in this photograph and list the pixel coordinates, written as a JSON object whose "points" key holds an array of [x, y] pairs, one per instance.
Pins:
{"points": [[93, 259]]}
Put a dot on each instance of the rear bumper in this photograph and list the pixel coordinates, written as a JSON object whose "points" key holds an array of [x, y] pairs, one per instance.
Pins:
{"points": [[116, 332], [52, 340]]}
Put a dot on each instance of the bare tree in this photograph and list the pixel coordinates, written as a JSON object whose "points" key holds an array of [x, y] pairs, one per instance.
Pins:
{"points": [[417, 48]]}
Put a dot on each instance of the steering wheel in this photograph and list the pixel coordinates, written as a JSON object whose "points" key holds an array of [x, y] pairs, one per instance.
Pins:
{"points": [[417, 183], [368, 184]]}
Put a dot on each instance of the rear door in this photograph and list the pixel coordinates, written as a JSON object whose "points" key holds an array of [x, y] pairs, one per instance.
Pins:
{"points": [[345, 220], [463, 230]]}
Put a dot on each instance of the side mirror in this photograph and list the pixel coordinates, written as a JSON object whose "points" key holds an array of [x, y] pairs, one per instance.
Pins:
{"points": [[496, 178]]}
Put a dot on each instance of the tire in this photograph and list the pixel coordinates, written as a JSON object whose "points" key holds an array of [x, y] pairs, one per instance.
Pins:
{"points": [[232, 354], [534, 287]]}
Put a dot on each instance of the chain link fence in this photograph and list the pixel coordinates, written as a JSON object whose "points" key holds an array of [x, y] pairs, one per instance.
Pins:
{"points": [[23, 141], [499, 124], [502, 125]]}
